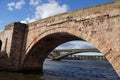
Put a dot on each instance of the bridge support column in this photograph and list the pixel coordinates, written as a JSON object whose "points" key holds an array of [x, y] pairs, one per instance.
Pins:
{"points": [[17, 44], [32, 69]]}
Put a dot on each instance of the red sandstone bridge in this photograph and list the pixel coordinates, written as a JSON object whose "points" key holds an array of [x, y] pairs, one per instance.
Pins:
{"points": [[26, 46], [57, 53]]}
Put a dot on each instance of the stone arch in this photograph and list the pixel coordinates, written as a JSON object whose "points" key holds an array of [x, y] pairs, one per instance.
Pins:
{"points": [[0, 45], [52, 31], [40, 50], [43, 47]]}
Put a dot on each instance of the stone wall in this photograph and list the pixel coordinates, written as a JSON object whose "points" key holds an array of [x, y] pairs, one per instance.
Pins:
{"points": [[97, 25], [13, 44]]}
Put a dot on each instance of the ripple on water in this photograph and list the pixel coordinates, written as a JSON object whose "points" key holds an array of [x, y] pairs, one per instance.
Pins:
{"points": [[68, 70]]}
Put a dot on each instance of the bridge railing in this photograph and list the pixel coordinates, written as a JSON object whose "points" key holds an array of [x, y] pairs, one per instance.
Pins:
{"points": [[86, 57]]}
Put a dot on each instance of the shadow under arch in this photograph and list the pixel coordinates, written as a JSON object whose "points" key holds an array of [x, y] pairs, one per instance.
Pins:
{"points": [[37, 54]]}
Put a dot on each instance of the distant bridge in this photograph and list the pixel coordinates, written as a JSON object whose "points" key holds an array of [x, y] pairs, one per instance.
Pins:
{"points": [[56, 54]]}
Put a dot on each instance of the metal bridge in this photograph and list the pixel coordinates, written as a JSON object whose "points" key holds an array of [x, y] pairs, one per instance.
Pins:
{"points": [[58, 54]]}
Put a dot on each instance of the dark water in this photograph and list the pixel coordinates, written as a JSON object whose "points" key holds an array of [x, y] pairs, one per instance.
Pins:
{"points": [[68, 70]]}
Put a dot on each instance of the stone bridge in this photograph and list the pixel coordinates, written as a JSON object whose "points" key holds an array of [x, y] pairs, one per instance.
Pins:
{"points": [[57, 53], [26, 46]]}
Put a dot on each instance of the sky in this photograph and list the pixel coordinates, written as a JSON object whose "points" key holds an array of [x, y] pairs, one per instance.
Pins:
{"points": [[26, 11]]}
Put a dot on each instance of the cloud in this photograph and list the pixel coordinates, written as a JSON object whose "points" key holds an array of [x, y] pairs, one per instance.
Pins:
{"points": [[27, 20], [45, 10], [75, 45], [11, 5], [19, 4], [15, 5], [49, 9], [34, 2]]}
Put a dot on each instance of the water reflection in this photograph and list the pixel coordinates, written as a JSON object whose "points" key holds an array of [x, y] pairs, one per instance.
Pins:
{"points": [[68, 70], [19, 76]]}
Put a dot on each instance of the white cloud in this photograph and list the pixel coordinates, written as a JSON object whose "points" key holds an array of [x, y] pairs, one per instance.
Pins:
{"points": [[34, 2], [11, 5], [15, 5], [19, 4], [27, 20], [47, 9], [75, 45]]}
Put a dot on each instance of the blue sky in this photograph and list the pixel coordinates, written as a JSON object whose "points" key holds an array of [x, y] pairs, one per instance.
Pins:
{"points": [[31, 10]]}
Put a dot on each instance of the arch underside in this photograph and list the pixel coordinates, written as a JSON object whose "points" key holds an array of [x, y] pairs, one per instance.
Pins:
{"points": [[44, 46]]}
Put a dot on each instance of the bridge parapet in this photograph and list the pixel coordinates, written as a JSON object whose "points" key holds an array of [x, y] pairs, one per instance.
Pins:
{"points": [[79, 15], [9, 26]]}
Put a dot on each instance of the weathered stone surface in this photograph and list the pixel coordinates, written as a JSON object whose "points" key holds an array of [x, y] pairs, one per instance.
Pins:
{"points": [[27, 46]]}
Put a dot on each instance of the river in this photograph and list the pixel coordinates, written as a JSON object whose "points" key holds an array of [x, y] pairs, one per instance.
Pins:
{"points": [[68, 70]]}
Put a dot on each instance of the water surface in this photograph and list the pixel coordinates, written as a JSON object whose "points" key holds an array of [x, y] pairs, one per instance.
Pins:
{"points": [[68, 70]]}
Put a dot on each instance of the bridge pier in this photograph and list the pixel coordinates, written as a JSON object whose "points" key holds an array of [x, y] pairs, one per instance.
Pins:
{"points": [[14, 46], [32, 69]]}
